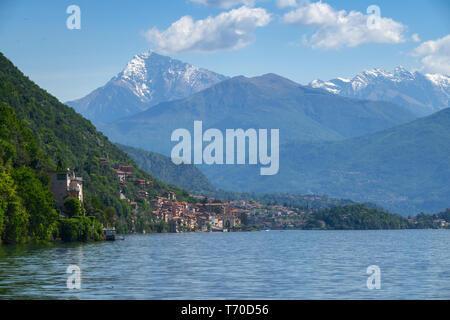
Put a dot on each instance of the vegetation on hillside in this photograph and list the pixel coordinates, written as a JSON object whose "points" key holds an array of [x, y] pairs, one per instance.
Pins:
{"points": [[161, 167], [38, 134], [26, 203], [356, 217]]}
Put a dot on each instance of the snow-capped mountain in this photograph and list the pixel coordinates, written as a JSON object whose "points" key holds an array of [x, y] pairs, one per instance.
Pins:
{"points": [[147, 79], [422, 94]]}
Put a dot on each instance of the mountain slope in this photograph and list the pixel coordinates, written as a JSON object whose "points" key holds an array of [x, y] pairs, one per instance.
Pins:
{"points": [[190, 178], [421, 94], [161, 167], [66, 137], [404, 169], [268, 101], [148, 79]]}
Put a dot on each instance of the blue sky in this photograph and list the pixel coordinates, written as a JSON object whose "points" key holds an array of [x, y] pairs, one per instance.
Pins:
{"points": [[303, 41]]}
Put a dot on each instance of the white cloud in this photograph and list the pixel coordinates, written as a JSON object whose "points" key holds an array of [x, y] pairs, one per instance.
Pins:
{"points": [[230, 30], [225, 4], [286, 3], [336, 29], [435, 55]]}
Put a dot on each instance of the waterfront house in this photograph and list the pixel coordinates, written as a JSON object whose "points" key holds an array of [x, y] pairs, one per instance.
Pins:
{"points": [[66, 184]]}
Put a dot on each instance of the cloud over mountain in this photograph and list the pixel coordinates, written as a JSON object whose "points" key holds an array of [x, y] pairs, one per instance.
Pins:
{"points": [[229, 30], [435, 55], [339, 28]]}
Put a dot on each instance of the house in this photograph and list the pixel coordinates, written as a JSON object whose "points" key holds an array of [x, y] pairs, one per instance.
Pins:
{"points": [[126, 169], [76, 188], [229, 219], [122, 175], [175, 224], [140, 182], [134, 205], [171, 196], [202, 222], [143, 194], [66, 184]]}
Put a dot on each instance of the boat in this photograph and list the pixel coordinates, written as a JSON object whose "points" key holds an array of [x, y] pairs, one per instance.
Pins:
{"points": [[110, 234]]}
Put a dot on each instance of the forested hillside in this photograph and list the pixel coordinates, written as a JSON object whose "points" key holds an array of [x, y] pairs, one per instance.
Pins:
{"points": [[26, 203], [39, 132]]}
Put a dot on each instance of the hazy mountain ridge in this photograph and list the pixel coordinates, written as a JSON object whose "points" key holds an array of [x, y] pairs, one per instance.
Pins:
{"points": [[268, 101], [422, 94], [404, 169], [147, 79]]}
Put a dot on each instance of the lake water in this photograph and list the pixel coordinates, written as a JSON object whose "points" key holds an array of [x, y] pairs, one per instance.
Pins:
{"points": [[415, 264]]}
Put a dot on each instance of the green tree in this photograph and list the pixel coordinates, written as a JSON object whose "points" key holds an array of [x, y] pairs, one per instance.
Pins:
{"points": [[38, 201], [14, 219], [72, 207]]}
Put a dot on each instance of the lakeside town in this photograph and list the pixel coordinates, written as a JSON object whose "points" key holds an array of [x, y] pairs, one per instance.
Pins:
{"points": [[208, 214], [205, 214]]}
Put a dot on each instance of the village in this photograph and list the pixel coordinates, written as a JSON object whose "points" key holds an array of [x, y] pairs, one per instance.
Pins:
{"points": [[210, 214], [180, 216], [205, 215]]}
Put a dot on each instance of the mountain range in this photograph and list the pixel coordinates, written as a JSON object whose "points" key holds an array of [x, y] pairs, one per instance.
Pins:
{"points": [[422, 94], [269, 101], [404, 169], [352, 138], [147, 79]]}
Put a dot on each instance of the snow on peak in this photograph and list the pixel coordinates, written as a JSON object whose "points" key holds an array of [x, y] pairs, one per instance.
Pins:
{"points": [[148, 74], [423, 94], [344, 79], [438, 79]]}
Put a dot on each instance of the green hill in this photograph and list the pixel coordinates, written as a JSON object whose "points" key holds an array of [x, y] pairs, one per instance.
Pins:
{"points": [[64, 137]]}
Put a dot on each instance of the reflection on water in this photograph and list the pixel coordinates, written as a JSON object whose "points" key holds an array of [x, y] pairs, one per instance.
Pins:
{"points": [[255, 265]]}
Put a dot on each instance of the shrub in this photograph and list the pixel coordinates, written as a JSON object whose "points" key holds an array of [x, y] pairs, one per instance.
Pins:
{"points": [[80, 229], [72, 207]]}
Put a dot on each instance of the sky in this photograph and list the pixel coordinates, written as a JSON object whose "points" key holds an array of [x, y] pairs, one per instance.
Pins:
{"points": [[299, 39]]}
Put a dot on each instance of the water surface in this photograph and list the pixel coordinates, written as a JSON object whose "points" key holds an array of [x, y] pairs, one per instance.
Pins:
{"points": [[415, 264]]}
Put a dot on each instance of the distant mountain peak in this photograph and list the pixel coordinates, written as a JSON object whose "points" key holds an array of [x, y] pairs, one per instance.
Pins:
{"points": [[438, 79], [148, 78], [421, 93], [140, 72]]}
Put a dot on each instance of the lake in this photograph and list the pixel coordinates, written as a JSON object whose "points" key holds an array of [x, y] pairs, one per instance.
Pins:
{"points": [[414, 264]]}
